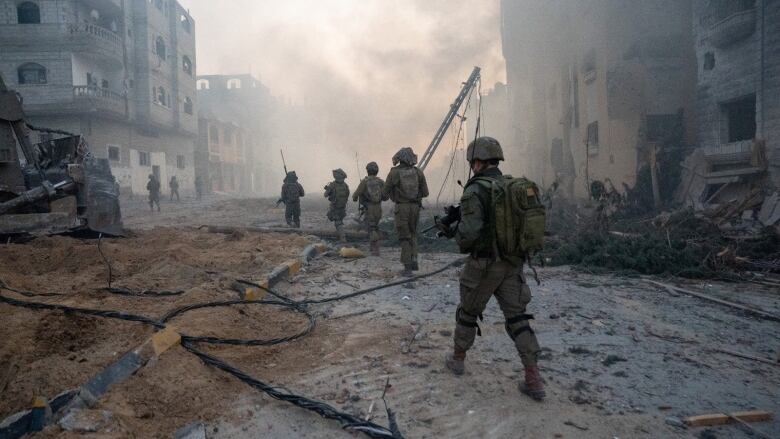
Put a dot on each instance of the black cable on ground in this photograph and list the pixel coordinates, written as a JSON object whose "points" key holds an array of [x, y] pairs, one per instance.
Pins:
{"points": [[143, 293], [87, 311], [348, 422], [239, 341], [4, 286]]}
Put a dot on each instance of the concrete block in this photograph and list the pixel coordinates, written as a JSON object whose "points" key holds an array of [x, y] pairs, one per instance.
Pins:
{"points": [[195, 430], [116, 372], [85, 420], [165, 339]]}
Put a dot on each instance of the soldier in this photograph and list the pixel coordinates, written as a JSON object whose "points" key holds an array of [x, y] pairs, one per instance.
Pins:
{"points": [[174, 185], [199, 187], [292, 191], [337, 192], [406, 186], [487, 273], [153, 186], [369, 194]]}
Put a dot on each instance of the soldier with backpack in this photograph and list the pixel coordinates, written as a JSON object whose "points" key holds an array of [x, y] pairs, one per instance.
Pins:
{"points": [[369, 195], [501, 224], [292, 191], [337, 192], [406, 186]]}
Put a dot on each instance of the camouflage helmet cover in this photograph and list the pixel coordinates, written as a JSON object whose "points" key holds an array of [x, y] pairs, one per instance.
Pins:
{"points": [[484, 148], [372, 168], [339, 174], [405, 155]]}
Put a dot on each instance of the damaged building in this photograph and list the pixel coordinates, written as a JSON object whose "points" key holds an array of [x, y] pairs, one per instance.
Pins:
{"points": [[598, 88], [737, 101], [122, 74], [234, 122], [623, 92]]}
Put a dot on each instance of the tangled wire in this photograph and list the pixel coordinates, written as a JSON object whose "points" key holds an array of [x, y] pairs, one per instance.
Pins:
{"points": [[188, 342]]}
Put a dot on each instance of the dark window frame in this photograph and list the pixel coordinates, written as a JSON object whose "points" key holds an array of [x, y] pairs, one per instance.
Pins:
{"points": [[181, 162], [32, 67], [28, 13], [593, 133], [114, 153], [144, 158]]}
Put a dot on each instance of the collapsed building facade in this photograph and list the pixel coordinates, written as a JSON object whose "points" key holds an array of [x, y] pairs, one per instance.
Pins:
{"points": [[122, 74], [234, 123], [615, 90]]}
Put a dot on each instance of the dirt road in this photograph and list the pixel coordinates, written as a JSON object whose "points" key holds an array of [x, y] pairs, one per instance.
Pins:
{"points": [[622, 358]]}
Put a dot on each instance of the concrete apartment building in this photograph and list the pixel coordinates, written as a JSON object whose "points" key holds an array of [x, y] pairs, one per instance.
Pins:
{"points": [[122, 73], [235, 122], [738, 96], [597, 88]]}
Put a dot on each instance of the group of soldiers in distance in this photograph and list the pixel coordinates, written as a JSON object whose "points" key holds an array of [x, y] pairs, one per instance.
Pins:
{"points": [[154, 188], [405, 185], [497, 249]]}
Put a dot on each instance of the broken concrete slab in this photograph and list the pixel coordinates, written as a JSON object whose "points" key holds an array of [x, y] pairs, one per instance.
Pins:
{"points": [[770, 210], [85, 421], [195, 430]]}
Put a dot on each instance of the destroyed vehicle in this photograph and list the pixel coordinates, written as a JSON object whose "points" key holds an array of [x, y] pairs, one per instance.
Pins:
{"points": [[55, 186]]}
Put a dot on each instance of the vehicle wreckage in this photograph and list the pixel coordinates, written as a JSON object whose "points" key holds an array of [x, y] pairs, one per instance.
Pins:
{"points": [[56, 186]]}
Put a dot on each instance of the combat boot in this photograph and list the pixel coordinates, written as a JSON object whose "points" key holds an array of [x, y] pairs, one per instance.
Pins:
{"points": [[375, 248], [415, 266], [407, 271], [455, 361], [533, 385]]}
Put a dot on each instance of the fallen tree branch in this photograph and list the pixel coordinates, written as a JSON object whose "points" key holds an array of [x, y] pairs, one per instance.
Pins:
{"points": [[750, 310]]}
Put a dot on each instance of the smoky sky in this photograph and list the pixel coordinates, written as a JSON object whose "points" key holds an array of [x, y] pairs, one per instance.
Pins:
{"points": [[374, 75]]}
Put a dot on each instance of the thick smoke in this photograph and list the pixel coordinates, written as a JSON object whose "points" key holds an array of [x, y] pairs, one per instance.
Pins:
{"points": [[371, 75]]}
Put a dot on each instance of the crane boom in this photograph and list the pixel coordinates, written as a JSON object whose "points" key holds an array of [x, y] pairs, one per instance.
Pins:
{"points": [[467, 86]]}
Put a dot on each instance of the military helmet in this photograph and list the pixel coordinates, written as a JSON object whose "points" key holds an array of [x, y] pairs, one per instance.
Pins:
{"points": [[405, 155], [484, 148], [372, 168], [291, 176], [339, 174]]}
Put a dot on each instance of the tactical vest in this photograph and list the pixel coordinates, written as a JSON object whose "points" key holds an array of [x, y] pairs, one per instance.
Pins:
{"points": [[339, 194], [290, 192]]}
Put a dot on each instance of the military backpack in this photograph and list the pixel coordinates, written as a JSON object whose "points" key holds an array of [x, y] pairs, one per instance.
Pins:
{"points": [[410, 182], [373, 193], [519, 215]]}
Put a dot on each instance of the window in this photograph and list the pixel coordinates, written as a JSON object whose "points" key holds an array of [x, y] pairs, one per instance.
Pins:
{"points": [[28, 13], [234, 83], [203, 84], [188, 105], [159, 47], [186, 65], [180, 161], [185, 23], [709, 61], [593, 134], [738, 119], [104, 83], [144, 159], [214, 134], [161, 97], [113, 153], [32, 73]]}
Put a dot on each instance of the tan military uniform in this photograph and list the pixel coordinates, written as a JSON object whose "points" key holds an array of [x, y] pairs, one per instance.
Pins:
{"points": [[406, 186]]}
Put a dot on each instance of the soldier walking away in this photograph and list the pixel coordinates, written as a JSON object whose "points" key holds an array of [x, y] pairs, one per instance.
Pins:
{"points": [[369, 195], [337, 192], [502, 219], [406, 186], [292, 191], [199, 188], [153, 186], [174, 185]]}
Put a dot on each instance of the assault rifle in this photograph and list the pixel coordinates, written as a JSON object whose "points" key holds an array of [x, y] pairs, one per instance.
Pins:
{"points": [[444, 223]]}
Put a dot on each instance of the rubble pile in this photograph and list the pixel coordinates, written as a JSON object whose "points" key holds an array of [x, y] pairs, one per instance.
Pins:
{"points": [[732, 241]]}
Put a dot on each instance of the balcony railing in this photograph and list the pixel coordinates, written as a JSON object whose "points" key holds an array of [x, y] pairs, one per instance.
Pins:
{"points": [[90, 98], [733, 28], [94, 30]]}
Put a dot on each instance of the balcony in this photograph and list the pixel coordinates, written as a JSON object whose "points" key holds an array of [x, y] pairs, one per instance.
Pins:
{"points": [[58, 100], [98, 43], [729, 153], [733, 28]]}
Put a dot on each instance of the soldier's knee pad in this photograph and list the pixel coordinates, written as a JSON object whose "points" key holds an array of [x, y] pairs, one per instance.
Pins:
{"points": [[517, 325], [464, 318]]}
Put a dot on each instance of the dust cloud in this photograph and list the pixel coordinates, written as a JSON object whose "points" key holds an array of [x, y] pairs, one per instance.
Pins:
{"points": [[363, 77]]}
